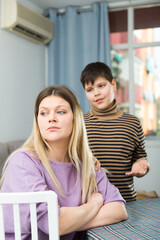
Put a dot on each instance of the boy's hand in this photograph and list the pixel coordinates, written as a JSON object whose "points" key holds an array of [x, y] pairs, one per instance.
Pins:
{"points": [[96, 163], [139, 168]]}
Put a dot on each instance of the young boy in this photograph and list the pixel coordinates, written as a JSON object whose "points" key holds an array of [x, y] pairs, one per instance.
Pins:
{"points": [[115, 138]]}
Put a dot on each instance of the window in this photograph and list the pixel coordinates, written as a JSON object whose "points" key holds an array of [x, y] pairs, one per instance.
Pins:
{"points": [[120, 70], [135, 43], [118, 29]]}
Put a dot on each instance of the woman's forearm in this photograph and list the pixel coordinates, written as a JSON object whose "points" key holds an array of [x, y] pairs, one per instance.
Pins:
{"points": [[73, 218], [110, 213]]}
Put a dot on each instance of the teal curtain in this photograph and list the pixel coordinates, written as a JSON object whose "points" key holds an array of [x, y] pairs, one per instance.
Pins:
{"points": [[80, 37]]}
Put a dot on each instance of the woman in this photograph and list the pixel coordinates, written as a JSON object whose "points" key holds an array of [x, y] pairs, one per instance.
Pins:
{"points": [[57, 157]]}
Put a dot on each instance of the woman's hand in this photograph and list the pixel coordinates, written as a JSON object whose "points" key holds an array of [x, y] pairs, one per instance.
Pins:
{"points": [[96, 198]]}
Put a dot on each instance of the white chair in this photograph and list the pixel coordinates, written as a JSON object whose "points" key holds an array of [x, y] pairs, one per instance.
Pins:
{"points": [[31, 198]]}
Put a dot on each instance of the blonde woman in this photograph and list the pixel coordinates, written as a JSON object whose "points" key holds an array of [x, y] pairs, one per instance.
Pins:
{"points": [[57, 157]]}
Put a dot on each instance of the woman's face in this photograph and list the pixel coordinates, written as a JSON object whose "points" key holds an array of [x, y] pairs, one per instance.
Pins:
{"points": [[55, 119], [101, 93]]}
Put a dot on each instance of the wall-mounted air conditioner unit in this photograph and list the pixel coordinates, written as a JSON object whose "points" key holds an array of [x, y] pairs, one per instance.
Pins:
{"points": [[19, 19]]}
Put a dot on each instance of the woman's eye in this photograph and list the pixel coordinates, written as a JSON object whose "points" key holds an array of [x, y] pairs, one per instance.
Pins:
{"points": [[61, 112], [43, 113]]}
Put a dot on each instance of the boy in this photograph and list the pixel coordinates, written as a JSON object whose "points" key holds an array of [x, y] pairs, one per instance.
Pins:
{"points": [[115, 138]]}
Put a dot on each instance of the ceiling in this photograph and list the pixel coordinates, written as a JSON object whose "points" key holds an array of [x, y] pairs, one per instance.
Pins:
{"points": [[44, 4], [61, 4]]}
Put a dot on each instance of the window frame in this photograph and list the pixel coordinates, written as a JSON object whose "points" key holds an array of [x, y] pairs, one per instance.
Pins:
{"points": [[130, 47]]}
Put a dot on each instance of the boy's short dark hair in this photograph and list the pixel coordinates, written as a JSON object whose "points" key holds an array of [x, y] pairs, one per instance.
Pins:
{"points": [[94, 70]]}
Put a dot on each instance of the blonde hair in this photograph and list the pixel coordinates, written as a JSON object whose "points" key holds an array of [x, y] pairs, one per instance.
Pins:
{"points": [[78, 149]]}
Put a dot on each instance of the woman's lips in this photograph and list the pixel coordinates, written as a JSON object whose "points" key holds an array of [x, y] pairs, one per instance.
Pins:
{"points": [[52, 128]]}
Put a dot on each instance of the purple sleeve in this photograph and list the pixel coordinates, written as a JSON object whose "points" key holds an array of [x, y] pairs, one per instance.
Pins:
{"points": [[108, 190], [26, 174]]}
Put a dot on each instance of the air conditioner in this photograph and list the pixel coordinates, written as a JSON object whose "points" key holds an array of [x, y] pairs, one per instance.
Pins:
{"points": [[23, 21]]}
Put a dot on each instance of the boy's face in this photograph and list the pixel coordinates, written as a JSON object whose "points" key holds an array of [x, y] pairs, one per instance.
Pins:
{"points": [[101, 93]]}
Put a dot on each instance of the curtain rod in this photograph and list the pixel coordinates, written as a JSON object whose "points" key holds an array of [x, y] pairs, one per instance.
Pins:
{"points": [[63, 10], [79, 10]]}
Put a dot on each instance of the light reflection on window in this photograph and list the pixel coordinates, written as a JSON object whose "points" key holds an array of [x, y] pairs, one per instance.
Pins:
{"points": [[121, 75], [147, 89], [147, 35]]}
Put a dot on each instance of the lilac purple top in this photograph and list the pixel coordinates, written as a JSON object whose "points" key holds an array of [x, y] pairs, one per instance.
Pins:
{"points": [[26, 174]]}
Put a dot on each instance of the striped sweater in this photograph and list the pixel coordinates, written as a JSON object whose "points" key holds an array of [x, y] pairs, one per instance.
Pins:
{"points": [[117, 144]]}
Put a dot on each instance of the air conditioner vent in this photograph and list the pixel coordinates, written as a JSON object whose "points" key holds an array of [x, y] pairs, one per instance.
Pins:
{"points": [[29, 33]]}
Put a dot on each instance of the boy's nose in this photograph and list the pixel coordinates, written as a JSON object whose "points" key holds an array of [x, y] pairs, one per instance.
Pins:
{"points": [[96, 91]]}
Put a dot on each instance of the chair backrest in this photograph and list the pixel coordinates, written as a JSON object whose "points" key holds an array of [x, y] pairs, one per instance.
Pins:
{"points": [[31, 198]]}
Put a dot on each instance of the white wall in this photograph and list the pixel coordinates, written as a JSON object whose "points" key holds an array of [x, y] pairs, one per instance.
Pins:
{"points": [[22, 76], [151, 182]]}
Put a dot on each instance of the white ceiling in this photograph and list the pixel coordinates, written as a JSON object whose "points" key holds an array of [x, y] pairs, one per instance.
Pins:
{"points": [[44, 4]]}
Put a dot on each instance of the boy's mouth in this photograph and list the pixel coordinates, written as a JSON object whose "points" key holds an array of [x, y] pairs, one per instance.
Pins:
{"points": [[99, 100]]}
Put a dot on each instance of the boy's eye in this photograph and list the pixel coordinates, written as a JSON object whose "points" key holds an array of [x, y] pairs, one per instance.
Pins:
{"points": [[101, 85], [89, 90]]}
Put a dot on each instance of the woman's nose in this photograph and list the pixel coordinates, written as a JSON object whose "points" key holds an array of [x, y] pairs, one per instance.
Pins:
{"points": [[53, 118]]}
